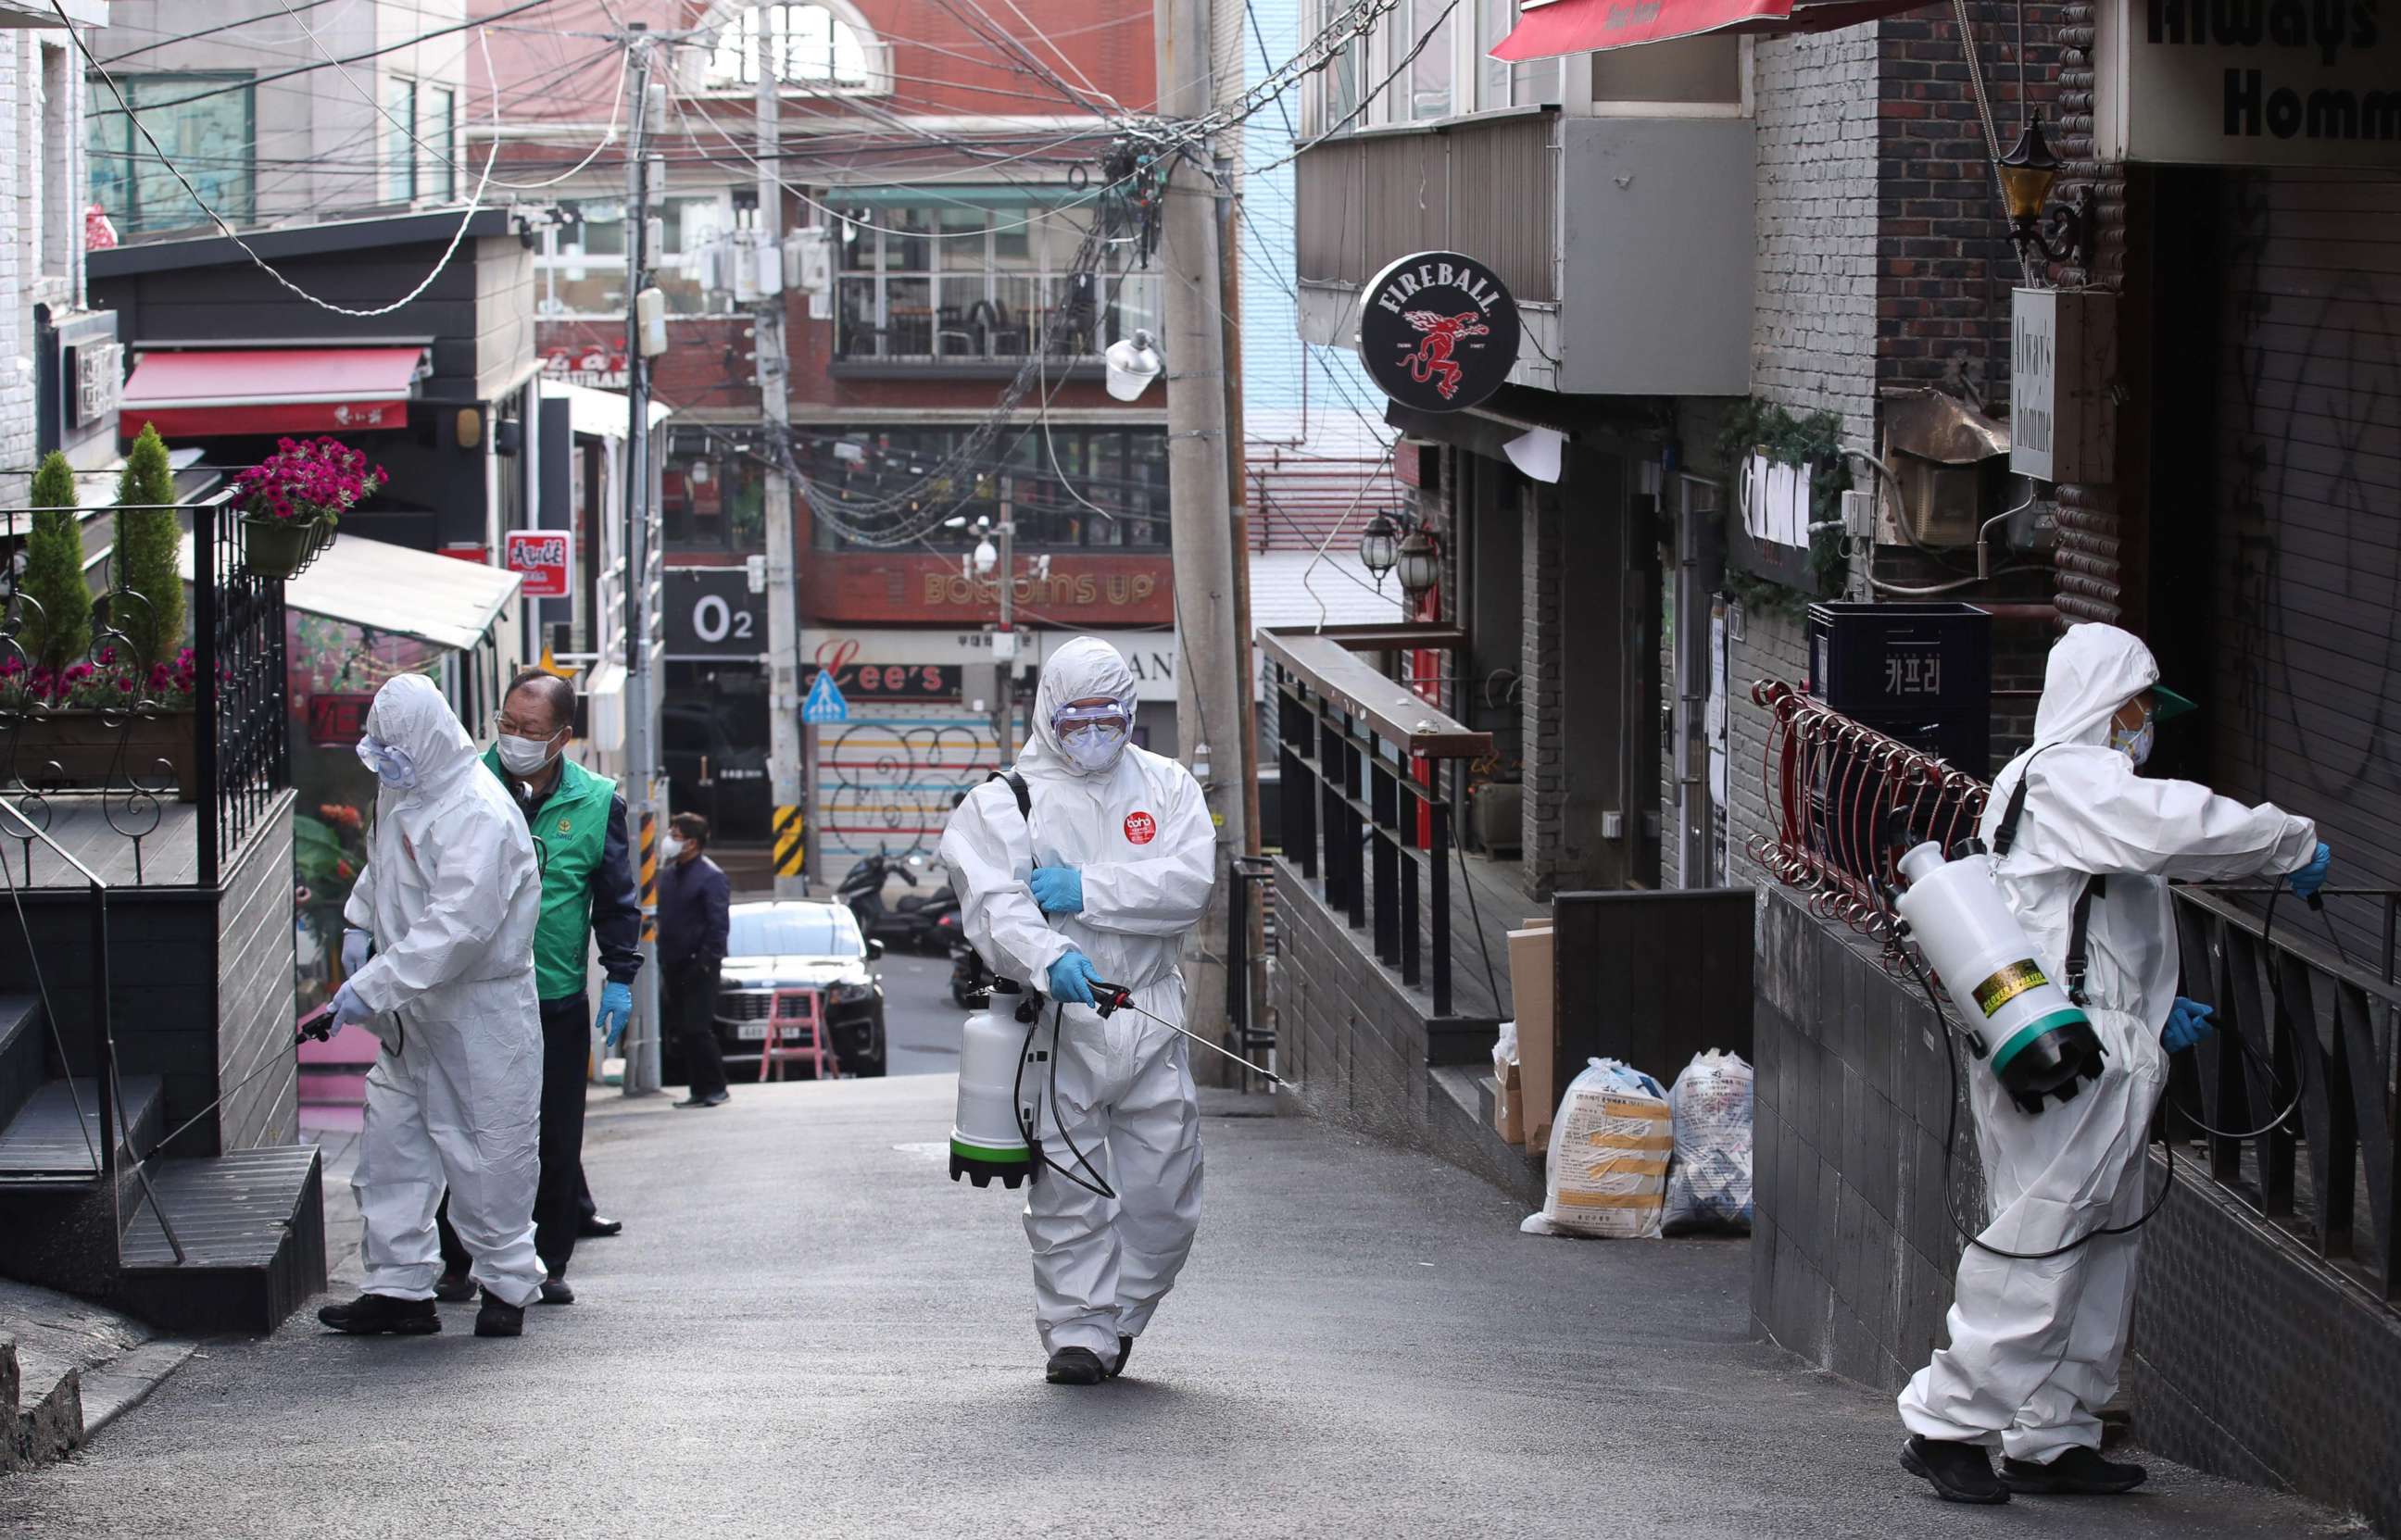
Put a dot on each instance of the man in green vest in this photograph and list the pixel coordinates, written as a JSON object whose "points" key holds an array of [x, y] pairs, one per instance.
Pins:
{"points": [[578, 822]]}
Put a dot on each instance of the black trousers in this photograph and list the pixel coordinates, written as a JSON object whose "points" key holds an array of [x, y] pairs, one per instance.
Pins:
{"points": [[561, 1198], [690, 1007]]}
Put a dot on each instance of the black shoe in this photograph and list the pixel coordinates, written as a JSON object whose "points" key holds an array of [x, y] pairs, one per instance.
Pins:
{"points": [[499, 1318], [555, 1291], [717, 1099], [454, 1289], [1075, 1365], [1125, 1351], [594, 1227], [2078, 1473], [371, 1314], [1959, 1473]]}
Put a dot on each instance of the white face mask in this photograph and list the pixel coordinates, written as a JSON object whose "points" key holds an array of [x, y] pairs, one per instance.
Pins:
{"points": [[391, 765], [671, 848], [524, 756], [1095, 746], [2135, 745]]}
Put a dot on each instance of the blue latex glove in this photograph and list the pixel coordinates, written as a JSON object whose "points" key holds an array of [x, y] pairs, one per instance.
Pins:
{"points": [[356, 946], [616, 1010], [2310, 879], [1071, 978], [1060, 890], [348, 1007], [2188, 1022]]}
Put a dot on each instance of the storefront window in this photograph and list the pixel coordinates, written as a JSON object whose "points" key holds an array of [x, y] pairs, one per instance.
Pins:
{"points": [[334, 669], [203, 123], [582, 268], [714, 493], [961, 280], [1107, 488]]}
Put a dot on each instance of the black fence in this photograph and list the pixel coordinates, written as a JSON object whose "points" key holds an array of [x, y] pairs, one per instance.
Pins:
{"points": [[150, 762]]}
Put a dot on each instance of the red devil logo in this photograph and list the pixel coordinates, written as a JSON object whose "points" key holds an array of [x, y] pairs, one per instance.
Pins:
{"points": [[1432, 357]]}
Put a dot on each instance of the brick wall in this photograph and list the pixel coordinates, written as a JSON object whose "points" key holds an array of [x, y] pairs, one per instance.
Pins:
{"points": [[1542, 738], [20, 139], [1944, 264], [1814, 324]]}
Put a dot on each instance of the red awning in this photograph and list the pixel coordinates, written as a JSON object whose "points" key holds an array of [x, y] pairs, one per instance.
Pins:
{"points": [[250, 390], [1589, 26]]}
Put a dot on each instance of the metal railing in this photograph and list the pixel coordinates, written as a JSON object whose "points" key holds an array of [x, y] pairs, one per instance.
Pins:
{"points": [[1366, 808], [2297, 1097], [99, 729]]}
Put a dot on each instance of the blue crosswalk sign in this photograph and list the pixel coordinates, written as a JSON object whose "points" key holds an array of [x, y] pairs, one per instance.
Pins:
{"points": [[824, 702]]}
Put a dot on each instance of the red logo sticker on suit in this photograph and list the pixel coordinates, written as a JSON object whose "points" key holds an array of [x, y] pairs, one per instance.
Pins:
{"points": [[1141, 827]]}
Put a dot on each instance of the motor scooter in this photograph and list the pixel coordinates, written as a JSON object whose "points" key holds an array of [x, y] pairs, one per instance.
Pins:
{"points": [[908, 923]]}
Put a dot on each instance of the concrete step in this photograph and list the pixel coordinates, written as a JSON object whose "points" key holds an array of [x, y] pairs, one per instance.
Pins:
{"points": [[251, 1229], [47, 1144]]}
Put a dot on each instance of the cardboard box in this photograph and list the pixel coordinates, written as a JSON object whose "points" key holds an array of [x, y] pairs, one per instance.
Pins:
{"points": [[1509, 1103], [1530, 985]]}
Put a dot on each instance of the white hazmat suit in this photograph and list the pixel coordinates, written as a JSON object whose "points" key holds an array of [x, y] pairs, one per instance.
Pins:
{"points": [[2035, 1345], [1140, 834], [451, 894]]}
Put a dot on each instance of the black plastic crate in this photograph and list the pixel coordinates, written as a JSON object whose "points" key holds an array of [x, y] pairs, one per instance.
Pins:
{"points": [[1900, 662]]}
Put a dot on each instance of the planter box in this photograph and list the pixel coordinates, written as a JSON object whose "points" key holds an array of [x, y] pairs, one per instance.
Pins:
{"points": [[84, 746]]}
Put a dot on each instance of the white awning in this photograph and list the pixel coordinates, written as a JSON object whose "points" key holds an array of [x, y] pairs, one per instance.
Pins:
{"points": [[602, 413], [404, 593]]}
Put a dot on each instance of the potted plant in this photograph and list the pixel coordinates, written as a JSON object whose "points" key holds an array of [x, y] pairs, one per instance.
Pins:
{"points": [[55, 625], [105, 721], [149, 537], [292, 500]]}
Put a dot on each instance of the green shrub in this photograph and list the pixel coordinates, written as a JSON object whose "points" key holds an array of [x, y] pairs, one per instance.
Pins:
{"points": [[149, 544], [61, 632]]}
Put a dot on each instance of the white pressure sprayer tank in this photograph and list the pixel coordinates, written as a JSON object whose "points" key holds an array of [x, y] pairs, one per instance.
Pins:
{"points": [[989, 1139], [2037, 1040]]}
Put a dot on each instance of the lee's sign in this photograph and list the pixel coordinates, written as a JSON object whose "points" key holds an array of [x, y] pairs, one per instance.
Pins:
{"points": [[541, 555], [2248, 83]]}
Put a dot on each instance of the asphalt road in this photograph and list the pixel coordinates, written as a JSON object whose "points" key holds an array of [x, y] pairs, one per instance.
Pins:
{"points": [[807, 1330], [921, 1026]]}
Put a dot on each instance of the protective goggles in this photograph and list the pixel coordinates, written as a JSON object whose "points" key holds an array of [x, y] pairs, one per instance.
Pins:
{"points": [[1066, 719]]}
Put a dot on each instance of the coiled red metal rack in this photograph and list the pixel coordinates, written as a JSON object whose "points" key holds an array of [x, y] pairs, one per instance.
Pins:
{"points": [[1844, 800]]}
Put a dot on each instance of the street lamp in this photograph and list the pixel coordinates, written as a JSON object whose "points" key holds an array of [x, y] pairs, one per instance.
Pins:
{"points": [[1378, 547], [1131, 363], [1421, 567], [2062, 233]]}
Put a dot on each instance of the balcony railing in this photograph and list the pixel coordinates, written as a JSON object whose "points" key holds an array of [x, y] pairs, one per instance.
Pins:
{"points": [[2294, 1095], [974, 320], [1488, 189], [1365, 806], [152, 777]]}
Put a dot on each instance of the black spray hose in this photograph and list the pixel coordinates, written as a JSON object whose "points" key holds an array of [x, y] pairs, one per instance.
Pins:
{"points": [[1025, 1129]]}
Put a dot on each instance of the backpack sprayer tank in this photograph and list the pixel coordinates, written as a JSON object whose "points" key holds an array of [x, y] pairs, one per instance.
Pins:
{"points": [[989, 1139], [2037, 1042]]}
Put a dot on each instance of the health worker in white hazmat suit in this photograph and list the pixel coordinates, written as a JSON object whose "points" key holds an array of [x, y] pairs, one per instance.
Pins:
{"points": [[447, 903], [1099, 880], [2035, 1343]]}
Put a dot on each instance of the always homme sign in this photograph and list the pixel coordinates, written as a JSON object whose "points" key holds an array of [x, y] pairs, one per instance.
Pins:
{"points": [[1437, 330], [2248, 83]]}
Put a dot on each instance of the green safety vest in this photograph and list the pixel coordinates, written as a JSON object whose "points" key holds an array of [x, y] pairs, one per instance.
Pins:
{"points": [[571, 830]]}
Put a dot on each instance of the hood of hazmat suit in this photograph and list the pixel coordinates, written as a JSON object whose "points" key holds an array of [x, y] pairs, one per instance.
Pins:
{"points": [[451, 894], [2034, 1345], [1139, 832]]}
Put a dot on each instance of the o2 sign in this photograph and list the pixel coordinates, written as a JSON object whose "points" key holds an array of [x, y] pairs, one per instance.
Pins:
{"points": [[711, 613]]}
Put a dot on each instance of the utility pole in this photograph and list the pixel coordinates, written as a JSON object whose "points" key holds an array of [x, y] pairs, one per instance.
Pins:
{"points": [[776, 398], [641, 694], [1004, 646], [1209, 702]]}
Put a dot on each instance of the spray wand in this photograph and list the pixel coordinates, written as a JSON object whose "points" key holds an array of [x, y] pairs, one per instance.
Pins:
{"points": [[1109, 997]]}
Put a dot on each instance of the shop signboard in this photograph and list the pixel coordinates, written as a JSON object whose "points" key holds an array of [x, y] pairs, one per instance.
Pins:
{"points": [[868, 682], [711, 614], [2248, 83], [604, 367], [338, 720], [1437, 330], [2063, 409], [541, 556]]}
